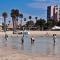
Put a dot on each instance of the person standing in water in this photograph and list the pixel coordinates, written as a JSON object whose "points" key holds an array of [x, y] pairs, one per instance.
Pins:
{"points": [[6, 36], [32, 40], [22, 40], [54, 38]]}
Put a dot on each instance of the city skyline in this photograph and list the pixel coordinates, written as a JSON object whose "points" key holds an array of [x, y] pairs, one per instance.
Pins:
{"points": [[28, 7]]}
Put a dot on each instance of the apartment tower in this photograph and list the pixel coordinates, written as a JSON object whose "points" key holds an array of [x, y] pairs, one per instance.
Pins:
{"points": [[53, 12]]}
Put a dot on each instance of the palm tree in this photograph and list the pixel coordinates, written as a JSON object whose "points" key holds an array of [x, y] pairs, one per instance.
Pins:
{"points": [[24, 19], [25, 22], [30, 18], [4, 16], [13, 15], [30, 22], [36, 18], [21, 16], [17, 15]]}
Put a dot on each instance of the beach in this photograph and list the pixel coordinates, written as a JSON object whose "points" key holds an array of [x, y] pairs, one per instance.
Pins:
{"points": [[34, 33], [12, 54], [9, 53], [44, 33]]}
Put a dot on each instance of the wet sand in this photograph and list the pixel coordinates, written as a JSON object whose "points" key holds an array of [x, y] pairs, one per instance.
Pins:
{"points": [[12, 54]]}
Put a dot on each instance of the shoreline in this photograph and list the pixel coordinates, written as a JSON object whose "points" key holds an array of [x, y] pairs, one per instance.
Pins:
{"points": [[34, 33], [44, 33]]}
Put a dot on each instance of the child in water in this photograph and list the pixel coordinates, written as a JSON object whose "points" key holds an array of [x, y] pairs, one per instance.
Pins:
{"points": [[32, 40]]}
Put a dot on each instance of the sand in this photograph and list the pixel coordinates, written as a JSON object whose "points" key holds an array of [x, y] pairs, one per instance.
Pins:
{"points": [[13, 54], [44, 33], [35, 32]]}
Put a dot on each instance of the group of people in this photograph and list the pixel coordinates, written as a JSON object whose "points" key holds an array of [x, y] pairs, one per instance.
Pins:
{"points": [[33, 39]]}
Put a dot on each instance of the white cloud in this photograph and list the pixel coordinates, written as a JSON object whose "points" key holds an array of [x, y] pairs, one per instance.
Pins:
{"points": [[48, 0], [38, 5], [43, 3], [39, 0]]}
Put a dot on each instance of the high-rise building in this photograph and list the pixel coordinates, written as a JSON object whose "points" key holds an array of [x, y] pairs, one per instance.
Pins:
{"points": [[53, 12]]}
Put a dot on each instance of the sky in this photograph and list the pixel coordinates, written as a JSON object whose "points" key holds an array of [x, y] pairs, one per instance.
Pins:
{"points": [[27, 7]]}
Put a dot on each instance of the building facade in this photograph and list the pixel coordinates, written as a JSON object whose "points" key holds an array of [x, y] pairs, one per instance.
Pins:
{"points": [[53, 12]]}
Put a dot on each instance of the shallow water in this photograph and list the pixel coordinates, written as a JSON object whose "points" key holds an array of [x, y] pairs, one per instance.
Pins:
{"points": [[41, 45]]}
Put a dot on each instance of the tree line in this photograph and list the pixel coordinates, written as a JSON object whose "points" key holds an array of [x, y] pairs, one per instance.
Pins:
{"points": [[40, 24]]}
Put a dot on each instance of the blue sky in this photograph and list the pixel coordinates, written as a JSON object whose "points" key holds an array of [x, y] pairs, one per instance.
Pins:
{"points": [[28, 7]]}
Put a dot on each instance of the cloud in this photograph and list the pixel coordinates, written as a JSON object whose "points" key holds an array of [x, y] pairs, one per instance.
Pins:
{"points": [[48, 0], [42, 4], [41, 0], [38, 5]]}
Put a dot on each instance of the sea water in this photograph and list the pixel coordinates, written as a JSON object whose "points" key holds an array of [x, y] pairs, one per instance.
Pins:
{"points": [[41, 45]]}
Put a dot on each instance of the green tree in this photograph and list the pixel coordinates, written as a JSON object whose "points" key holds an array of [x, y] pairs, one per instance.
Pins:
{"points": [[4, 14], [29, 23], [51, 23], [40, 23]]}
